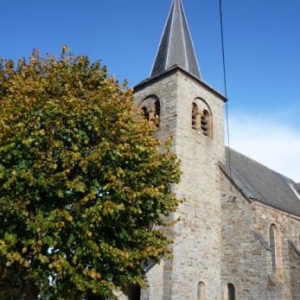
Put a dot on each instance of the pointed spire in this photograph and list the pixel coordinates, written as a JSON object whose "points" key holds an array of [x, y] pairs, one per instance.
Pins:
{"points": [[176, 46]]}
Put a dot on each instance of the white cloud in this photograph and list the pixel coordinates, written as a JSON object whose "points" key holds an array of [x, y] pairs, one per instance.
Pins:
{"points": [[268, 140]]}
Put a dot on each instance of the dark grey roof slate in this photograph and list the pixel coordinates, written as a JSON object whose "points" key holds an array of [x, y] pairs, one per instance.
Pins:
{"points": [[176, 45], [259, 183]]}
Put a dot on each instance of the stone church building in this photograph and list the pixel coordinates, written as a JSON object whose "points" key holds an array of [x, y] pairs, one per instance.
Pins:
{"points": [[239, 231]]}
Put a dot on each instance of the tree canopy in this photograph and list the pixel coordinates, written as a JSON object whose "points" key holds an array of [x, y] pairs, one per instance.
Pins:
{"points": [[82, 179]]}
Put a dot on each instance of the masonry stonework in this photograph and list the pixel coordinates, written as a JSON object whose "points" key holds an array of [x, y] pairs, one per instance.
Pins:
{"points": [[246, 261], [238, 230], [222, 236], [195, 256]]}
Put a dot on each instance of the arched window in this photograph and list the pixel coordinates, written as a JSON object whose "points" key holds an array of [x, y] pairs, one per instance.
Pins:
{"points": [[157, 107], [229, 292], [201, 117], [275, 245], [151, 110], [134, 292], [201, 291]]}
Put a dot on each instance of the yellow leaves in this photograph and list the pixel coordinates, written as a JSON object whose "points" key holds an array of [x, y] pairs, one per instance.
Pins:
{"points": [[17, 257], [81, 173], [74, 259], [10, 239], [92, 274], [152, 251], [89, 197], [68, 217], [28, 141], [57, 144], [77, 185], [26, 264], [121, 172], [60, 194], [43, 259], [21, 126], [14, 257], [125, 255], [111, 208], [136, 211], [76, 155], [57, 264], [25, 213]]}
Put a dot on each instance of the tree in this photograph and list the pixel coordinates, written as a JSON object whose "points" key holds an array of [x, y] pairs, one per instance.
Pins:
{"points": [[82, 178]]}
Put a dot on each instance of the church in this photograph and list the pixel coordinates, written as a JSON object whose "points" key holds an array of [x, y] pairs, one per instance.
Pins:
{"points": [[238, 235]]}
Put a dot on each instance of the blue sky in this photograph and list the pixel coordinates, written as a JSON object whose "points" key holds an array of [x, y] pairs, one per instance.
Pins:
{"points": [[262, 44]]}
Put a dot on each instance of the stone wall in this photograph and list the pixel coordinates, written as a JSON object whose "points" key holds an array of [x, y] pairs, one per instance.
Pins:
{"points": [[196, 250], [289, 228], [221, 237], [294, 273], [155, 282], [246, 255], [164, 90]]}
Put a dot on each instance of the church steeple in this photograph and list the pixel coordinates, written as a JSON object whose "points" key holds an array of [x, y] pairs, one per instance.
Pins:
{"points": [[190, 113], [176, 46]]}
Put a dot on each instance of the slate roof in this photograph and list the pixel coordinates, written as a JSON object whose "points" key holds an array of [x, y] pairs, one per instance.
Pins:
{"points": [[176, 45], [297, 187], [260, 183]]}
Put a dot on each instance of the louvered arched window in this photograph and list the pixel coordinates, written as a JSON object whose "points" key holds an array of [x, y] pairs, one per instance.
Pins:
{"points": [[151, 109], [201, 117]]}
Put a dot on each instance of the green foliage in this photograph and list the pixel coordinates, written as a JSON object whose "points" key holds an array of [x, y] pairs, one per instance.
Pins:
{"points": [[81, 180]]}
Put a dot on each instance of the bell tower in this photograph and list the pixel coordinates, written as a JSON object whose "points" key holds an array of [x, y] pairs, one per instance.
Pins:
{"points": [[186, 108]]}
